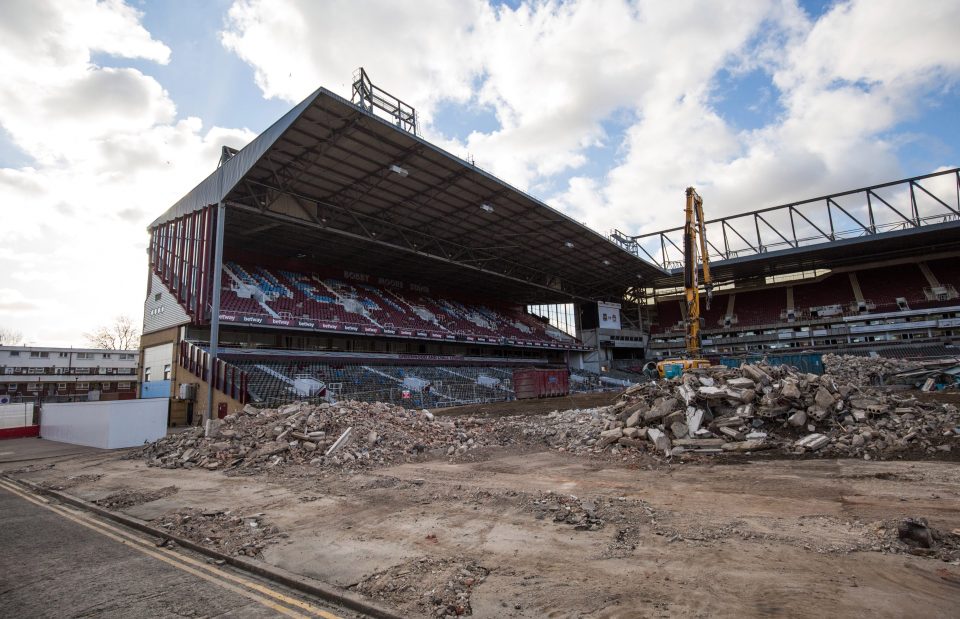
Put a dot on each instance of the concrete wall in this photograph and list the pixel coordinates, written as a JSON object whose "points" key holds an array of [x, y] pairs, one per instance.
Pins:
{"points": [[183, 375], [109, 425]]}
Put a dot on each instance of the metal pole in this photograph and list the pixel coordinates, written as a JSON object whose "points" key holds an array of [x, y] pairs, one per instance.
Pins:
{"points": [[215, 308]]}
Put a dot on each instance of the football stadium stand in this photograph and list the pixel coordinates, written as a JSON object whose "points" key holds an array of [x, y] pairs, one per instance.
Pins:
{"points": [[341, 255]]}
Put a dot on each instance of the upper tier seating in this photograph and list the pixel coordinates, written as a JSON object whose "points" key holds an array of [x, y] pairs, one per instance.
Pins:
{"points": [[831, 290], [760, 307], [669, 313], [883, 285]]}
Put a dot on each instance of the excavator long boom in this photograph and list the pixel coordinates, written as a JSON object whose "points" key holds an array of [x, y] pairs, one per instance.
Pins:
{"points": [[695, 252]]}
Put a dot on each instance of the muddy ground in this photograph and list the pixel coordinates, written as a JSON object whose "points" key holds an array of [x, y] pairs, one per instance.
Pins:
{"points": [[547, 534]]}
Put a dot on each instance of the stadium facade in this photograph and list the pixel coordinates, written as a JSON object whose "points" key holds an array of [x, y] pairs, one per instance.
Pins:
{"points": [[339, 254]]}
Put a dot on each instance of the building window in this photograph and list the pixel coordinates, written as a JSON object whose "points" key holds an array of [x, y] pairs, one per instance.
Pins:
{"points": [[63, 355], [12, 387], [166, 372], [14, 353], [84, 355], [61, 386], [106, 386], [83, 386], [39, 354], [146, 375], [106, 355], [156, 297], [123, 386], [33, 386]]}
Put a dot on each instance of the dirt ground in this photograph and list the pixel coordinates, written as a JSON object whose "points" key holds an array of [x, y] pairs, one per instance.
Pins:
{"points": [[533, 406], [547, 534]]}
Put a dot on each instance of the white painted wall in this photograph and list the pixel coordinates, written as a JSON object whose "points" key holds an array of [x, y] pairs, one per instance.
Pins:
{"points": [[109, 425]]}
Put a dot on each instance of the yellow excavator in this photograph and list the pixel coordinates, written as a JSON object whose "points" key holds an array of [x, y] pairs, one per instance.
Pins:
{"points": [[694, 254]]}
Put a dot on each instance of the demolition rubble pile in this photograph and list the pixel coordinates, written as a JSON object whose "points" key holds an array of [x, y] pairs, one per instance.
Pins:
{"points": [[754, 408], [327, 435], [857, 370]]}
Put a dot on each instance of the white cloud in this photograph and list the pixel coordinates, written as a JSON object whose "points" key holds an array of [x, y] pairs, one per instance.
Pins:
{"points": [[109, 155], [553, 72]]}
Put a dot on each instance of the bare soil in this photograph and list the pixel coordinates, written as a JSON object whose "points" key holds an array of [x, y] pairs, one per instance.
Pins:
{"points": [[547, 534]]}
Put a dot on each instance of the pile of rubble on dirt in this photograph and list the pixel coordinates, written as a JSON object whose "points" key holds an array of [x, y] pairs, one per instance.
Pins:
{"points": [[568, 509], [230, 532], [753, 408], [915, 536], [123, 499], [858, 370], [429, 586], [327, 435]]}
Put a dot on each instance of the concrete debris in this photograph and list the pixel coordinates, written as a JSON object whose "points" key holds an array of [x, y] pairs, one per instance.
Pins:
{"points": [[765, 407], [866, 370], [915, 531], [322, 435], [125, 498], [568, 509], [757, 408], [230, 532], [427, 586]]}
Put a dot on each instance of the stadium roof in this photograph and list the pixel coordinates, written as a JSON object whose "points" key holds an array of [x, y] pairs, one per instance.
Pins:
{"points": [[907, 218], [332, 184]]}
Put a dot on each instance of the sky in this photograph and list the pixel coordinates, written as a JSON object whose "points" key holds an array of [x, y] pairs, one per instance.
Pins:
{"points": [[606, 110]]}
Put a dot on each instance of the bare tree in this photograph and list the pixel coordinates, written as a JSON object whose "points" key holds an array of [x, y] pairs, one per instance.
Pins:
{"points": [[121, 335], [10, 337]]}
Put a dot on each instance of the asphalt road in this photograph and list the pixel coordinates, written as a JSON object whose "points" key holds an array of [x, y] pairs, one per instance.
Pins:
{"points": [[60, 562]]}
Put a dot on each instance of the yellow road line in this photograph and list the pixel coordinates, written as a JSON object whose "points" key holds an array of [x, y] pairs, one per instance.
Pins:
{"points": [[175, 559]]}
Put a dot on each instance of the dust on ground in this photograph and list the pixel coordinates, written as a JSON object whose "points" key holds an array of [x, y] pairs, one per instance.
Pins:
{"points": [[546, 533]]}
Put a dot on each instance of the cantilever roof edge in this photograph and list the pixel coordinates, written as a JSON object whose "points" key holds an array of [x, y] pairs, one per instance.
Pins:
{"points": [[221, 181], [224, 179]]}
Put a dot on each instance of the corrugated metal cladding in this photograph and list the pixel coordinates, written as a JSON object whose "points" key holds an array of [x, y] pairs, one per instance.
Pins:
{"points": [[160, 309]]}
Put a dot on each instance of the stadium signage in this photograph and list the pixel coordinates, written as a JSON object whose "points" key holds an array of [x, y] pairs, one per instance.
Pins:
{"points": [[351, 328], [404, 332], [390, 331], [421, 334], [307, 323], [419, 288], [436, 335], [450, 336], [371, 330], [390, 283], [327, 325], [228, 317], [256, 319], [360, 277], [280, 321]]}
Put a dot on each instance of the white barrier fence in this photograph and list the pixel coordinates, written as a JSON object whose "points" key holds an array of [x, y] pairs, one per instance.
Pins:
{"points": [[16, 415], [109, 425]]}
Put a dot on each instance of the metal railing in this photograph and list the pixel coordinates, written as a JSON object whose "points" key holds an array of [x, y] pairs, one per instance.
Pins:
{"points": [[916, 202]]}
